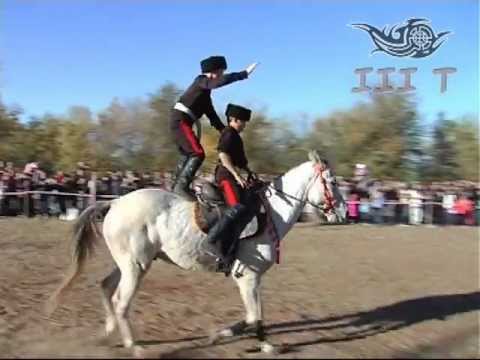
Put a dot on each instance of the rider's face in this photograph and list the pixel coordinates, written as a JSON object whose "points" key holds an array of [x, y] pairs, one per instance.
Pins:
{"points": [[217, 74], [238, 124]]}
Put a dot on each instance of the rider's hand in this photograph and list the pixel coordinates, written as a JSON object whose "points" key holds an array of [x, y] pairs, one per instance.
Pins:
{"points": [[241, 181], [251, 67]]}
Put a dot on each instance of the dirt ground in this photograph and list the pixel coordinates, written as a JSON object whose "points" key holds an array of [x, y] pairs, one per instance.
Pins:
{"points": [[340, 291]]}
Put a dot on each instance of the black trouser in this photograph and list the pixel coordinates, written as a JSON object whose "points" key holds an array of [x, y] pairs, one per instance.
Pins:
{"points": [[191, 153], [187, 142], [232, 192]]}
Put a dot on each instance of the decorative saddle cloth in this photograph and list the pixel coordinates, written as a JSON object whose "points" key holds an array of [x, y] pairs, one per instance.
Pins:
{"points": [[210, 207]]}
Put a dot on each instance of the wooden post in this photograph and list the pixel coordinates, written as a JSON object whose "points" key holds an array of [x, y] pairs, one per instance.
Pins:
{"points": [[93, 189], [26, 204]]}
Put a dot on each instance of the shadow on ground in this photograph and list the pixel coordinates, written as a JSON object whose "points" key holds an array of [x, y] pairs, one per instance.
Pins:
{"points": [[348, 327]]}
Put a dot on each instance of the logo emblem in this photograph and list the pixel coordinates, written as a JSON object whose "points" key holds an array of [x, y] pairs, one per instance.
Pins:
{"points": [[415, 39]]}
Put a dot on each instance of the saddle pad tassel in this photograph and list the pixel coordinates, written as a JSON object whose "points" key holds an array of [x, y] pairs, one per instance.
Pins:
{"points": [[272, 230]]}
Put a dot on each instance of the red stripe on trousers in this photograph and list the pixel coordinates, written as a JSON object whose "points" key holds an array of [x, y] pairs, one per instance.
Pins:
{"points": [[229, 193], [192, 139]]}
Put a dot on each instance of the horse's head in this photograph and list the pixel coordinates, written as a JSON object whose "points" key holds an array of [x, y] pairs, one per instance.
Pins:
{"points": [[323, 193]]}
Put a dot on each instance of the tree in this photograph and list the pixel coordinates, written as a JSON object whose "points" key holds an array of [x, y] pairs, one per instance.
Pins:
{"points": [[384, 134], [75, 143], [442, 161], [159, 144], [40, 142], [10, 131], [466, 144], [259, 145]]}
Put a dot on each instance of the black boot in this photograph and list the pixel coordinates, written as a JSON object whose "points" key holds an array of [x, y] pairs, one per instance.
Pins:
{"points": [[219, 238], [236, 230], [182, 185], [180, 164]]}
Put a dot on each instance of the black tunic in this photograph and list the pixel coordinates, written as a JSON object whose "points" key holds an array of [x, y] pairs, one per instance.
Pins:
{"points": [[231, 143], [197, 98]]}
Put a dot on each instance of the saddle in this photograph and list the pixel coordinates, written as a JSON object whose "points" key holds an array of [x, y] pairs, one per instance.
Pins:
{"points": [[210, 207]]}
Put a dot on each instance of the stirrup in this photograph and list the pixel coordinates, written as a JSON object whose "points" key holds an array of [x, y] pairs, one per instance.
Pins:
{"points": [[221, 266]]}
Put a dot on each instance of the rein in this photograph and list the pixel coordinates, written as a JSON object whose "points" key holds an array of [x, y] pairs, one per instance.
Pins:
{"points": [[326, 208]]}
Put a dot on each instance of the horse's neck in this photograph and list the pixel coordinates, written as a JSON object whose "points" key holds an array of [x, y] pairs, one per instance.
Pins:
{"points": [[285, 209]]}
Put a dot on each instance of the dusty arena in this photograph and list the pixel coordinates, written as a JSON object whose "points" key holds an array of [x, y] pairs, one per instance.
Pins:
{"points": [[340, 291]]}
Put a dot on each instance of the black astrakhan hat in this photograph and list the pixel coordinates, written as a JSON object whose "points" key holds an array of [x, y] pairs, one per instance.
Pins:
{"points": [[213, 63], [238, 112]]}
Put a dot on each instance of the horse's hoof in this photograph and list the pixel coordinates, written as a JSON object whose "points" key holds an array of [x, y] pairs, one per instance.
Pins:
{"points": [[138, 352], [214, 338], [104, 340], [268, 348]]}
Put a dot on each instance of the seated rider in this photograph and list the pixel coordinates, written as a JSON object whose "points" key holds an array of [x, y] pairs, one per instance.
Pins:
{"points": [[230, 181], [192, 105]]}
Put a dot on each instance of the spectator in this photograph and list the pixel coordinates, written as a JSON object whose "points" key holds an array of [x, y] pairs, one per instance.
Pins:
{"points": [[428, 198], [26, 184], [415, 206], [353, 206], [378, 201], [3, 188], [104, 186], [9, 180], [60, 178], [438, 215], [344, 187], [80, 182], [464, 207], [159, 180], [391, 207], [448, 202], [403, 207], [147, 180], [476, 201], [364, 210], [30, 168], [116, 182]]}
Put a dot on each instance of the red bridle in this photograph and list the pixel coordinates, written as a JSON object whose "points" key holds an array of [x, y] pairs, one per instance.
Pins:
{"points": [[329, 199]]}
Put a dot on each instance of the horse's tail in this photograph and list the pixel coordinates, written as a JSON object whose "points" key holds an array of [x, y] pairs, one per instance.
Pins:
{"points": [[84, 235]]}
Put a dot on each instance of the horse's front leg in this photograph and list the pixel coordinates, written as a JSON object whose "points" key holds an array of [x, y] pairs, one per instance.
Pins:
{"points": [[249, 286]]}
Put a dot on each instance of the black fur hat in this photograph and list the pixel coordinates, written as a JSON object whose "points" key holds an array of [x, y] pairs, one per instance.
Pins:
{"points": [[238, 112], [213, 63]]}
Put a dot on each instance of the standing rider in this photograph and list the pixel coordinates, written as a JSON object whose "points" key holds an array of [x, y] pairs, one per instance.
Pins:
{"points": [[231, 159], [194, 103]]}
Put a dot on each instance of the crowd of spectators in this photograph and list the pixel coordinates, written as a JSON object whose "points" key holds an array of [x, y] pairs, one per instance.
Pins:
{"points": [[368, 201], [388, 202], [57, 192]]}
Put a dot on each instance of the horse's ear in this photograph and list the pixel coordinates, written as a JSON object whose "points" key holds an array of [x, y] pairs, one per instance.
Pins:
{"points": [[314, 156]]}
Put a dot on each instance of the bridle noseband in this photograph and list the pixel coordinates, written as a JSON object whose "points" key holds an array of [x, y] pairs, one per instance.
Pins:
{"points": [[328, 206]]}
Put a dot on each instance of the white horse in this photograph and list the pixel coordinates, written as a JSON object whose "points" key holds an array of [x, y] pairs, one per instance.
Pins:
{"points": [[154, 223]]}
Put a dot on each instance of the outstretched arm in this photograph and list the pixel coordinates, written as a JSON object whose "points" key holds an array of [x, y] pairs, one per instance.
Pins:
{"points": [[210, 84], [207, 83]]}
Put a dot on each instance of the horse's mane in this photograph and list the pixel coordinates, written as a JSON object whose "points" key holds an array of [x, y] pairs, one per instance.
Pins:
{"points": [[277, 178]]}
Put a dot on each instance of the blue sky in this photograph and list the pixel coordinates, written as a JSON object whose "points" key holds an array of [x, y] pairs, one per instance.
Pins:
{"points": [[55, 54]]}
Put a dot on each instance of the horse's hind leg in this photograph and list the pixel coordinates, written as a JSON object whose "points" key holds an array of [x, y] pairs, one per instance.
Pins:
{"points": [[109, 285], [129, 281]]}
